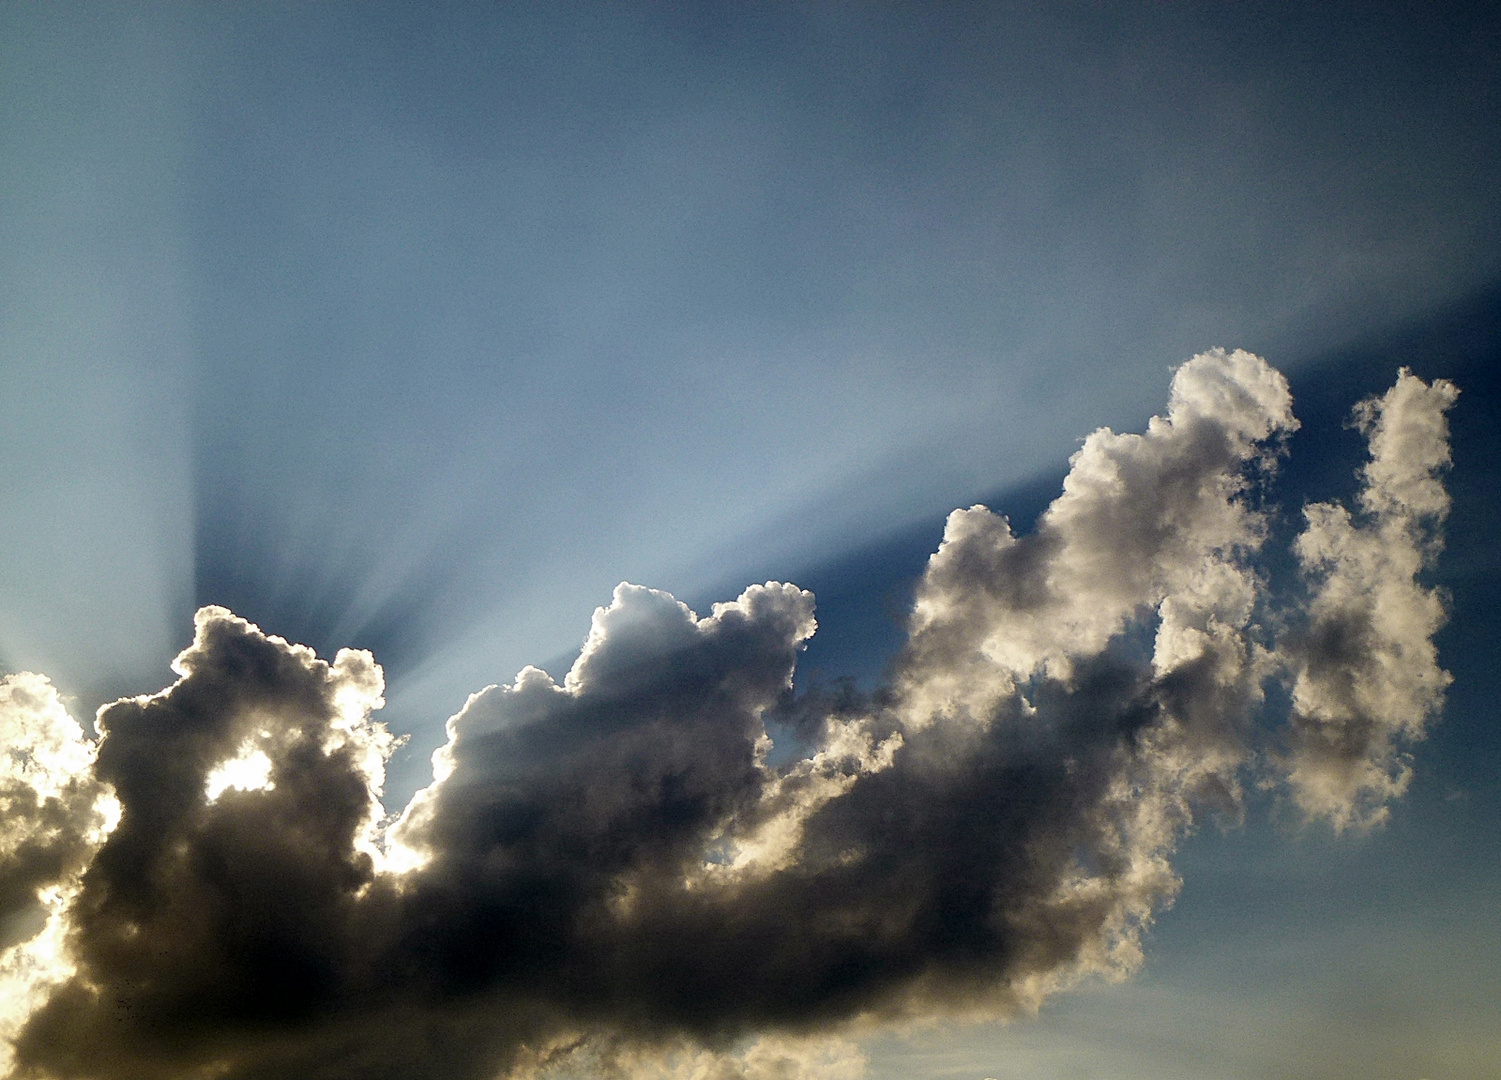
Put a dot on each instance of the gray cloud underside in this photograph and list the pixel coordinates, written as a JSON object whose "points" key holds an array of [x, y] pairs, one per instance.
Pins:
{"points": [[609, 870]]}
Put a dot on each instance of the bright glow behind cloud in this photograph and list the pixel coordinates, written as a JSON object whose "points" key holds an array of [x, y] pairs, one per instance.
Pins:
{"points": [[250, 770]]}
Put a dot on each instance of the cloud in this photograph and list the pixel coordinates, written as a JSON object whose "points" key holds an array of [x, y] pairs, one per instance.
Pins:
{"points": [[54, 813], [1144, 521], [613, 874], [211, 916], [1366, 671]]}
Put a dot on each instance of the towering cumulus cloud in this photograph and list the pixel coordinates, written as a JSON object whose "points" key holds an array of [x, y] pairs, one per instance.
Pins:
{"points": [[614, 875]]}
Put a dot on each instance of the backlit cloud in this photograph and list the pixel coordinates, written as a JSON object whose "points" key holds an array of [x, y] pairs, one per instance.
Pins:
{"points": [[1367, 674], [616, 875]]}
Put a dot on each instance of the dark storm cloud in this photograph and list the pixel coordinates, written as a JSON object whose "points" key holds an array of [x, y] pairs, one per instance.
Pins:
{"points": [[614, 875]]}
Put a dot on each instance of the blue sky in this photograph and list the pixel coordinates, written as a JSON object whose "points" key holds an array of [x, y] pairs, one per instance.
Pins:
{"points": [[417, 328]]}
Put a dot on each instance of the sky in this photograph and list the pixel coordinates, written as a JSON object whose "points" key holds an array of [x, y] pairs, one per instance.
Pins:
{"points": [[416, 329]]}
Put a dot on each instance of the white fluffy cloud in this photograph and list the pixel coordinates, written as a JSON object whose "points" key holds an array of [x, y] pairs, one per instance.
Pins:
{"points": [[1367, 677], [609, 875]]}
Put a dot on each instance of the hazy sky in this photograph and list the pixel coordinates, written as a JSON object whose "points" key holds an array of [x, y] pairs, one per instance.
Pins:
{"points": [[417, 328]]}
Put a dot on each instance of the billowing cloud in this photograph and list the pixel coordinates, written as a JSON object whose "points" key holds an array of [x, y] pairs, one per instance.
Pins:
{"points": [[54, 813], [614, 875], [1367, 674]]}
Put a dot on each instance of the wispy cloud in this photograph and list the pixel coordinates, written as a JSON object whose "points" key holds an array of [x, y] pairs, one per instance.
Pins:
{"points": [[613, 875]]}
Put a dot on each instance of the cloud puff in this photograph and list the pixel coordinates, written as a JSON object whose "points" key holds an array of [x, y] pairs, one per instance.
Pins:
{"points": [[1144, 521], [613, 875], [210, 918], [54, 813], [1366, 671]]}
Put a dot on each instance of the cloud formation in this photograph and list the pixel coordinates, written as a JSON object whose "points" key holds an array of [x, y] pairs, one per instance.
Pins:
{"points": [[54, 814], [613, 875], [1367, 674]]}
